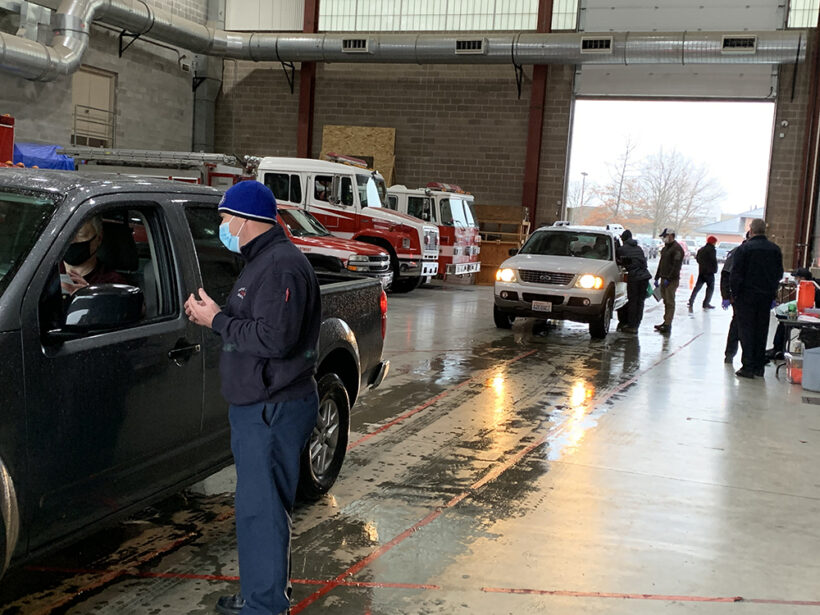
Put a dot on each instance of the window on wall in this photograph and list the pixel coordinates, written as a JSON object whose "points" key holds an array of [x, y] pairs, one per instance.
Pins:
{"points": [[440, 15], [803, 13]]}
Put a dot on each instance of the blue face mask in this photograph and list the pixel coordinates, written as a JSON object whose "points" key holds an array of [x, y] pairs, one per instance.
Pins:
{"points": [[228, 239]]}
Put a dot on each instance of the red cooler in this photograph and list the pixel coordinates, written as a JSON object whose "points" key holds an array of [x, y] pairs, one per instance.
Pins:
{"points": [[6, 138]]}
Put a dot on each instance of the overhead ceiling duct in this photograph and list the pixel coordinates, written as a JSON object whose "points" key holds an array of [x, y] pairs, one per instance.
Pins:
{"points": [[71, 30]]}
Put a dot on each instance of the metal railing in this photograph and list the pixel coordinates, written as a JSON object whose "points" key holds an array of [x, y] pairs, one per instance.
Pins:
{"points": [[93, 127]]}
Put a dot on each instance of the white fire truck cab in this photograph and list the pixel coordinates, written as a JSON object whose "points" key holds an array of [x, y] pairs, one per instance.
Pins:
{"points": [[349, 202], [451, 209]]}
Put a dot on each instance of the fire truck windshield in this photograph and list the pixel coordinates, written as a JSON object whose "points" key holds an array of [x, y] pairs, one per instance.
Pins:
{"points": [[372, 190], [302, 224], [453, 213], [472, 220]]}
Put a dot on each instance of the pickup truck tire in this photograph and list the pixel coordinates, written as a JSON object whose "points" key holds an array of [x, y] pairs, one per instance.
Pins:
{"points": [[405, 284], [502, 319], [325, 452], [599, 327]]}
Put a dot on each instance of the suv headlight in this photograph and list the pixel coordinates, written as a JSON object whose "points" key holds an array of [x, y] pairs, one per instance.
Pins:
{"points": [[505, 275], [590, 282]]}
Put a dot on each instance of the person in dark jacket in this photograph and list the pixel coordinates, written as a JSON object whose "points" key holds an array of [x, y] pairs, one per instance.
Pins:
{"points": [[756, 273], [668, 277], [631, 257], [707, 268], [732, 338], [270, 333]]}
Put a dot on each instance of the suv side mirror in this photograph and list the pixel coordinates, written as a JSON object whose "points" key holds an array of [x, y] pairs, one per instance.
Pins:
{"points": [[513, 251], [101, 308]]}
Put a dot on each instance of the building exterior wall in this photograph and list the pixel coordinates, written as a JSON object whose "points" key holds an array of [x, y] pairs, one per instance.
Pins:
{"points": [[788, 154], [153, 102]]}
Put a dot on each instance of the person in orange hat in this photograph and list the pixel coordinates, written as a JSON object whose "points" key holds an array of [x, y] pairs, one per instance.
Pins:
{"points": [[707, 268]]}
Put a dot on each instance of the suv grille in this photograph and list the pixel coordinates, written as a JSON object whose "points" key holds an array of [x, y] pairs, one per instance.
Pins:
{"points": [[546, 277]]}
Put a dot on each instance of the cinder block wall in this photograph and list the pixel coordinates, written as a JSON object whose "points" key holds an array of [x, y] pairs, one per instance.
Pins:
{"points": [[457, 124], [154, 98], [787, 161]]}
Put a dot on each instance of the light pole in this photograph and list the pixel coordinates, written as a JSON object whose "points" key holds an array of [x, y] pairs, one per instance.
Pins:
{"points": [[583, 183]]}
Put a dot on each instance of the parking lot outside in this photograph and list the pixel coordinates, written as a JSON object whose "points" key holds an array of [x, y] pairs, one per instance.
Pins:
{"points": [[525, 471]]}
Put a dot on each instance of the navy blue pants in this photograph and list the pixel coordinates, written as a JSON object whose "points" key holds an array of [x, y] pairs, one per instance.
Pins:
{"points": [[267, 440], [709, 280]]}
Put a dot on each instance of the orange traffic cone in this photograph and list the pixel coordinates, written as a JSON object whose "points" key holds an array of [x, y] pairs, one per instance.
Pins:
{"points": [[691, 281]]}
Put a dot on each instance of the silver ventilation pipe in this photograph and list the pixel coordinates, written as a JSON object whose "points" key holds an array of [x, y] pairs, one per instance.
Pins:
{"points": [[40, 62]]}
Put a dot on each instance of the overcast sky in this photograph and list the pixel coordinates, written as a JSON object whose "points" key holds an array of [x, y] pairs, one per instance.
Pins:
{"points": [[732, 139]]}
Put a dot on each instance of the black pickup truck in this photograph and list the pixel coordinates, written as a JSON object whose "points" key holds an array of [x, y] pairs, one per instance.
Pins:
{"points": [[110, 395]]}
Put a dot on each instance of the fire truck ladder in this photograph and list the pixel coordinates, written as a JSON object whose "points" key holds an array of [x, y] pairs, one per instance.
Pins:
{"points": [[149, 158]]}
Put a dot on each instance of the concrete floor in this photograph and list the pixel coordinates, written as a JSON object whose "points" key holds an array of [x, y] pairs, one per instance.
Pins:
{"points": [[532, 471]]}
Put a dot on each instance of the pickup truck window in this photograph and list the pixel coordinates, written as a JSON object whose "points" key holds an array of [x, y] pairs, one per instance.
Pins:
{"points": [[22, 217], [285, 187], [132, 249], [219, 267], [302, 224]]}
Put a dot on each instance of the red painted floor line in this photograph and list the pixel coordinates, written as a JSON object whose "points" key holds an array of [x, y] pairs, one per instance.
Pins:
{"points": [[576, 594], [493, 474], [428, 403]]}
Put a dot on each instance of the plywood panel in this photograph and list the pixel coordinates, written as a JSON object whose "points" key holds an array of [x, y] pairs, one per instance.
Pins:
{"points": [[367, 142], [493, 253]]}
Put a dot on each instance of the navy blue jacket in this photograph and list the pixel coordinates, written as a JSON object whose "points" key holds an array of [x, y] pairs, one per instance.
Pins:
{"points": [[757, 267], [270, 325], [632, 259]]}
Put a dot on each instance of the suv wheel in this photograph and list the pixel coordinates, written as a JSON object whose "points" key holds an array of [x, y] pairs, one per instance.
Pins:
{"points": [[599, 327], [502, 319], [325, 451]]}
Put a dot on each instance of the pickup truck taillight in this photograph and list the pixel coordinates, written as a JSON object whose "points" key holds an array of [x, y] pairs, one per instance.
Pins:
{"points": [[383, 308]]}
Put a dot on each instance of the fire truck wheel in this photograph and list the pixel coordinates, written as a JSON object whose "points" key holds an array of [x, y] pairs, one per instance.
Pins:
{"points": [[405, 285], [502, 319]]}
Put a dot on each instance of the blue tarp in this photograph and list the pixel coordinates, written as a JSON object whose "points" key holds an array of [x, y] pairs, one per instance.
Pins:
{"points": [[43, 156]]}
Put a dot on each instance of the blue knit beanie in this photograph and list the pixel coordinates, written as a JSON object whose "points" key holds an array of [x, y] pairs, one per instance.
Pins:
{"points": [[250, 199]]}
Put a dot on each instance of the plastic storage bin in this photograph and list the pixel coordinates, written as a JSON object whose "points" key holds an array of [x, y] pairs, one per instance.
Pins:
{"points": [[811, 369]]}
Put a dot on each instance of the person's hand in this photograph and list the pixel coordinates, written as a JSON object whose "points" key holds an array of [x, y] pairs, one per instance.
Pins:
{"points": [[79, 282], [726, 303], [774, 304], [656, 282], [201, 311]]}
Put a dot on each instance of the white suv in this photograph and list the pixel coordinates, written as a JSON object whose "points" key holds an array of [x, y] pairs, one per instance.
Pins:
{"points": [[565, 273]]}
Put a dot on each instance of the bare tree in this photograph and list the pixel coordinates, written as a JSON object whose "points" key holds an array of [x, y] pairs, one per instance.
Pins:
{"points": [[676, 192], [574, 196], [619, 191]]}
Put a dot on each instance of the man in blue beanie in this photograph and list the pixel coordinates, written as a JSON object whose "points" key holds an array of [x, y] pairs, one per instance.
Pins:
{"points": [[270, 332]]}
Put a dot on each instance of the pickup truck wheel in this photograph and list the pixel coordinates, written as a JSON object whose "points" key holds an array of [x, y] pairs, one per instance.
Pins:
{"points": [[502, 319], [599, 327], [405, 284], [323, 456]]}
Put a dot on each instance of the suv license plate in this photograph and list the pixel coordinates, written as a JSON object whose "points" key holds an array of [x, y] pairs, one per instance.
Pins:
{"points": [[541, 306]]}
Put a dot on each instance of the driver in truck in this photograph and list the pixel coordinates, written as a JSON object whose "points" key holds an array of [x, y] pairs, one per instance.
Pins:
{"points": [[270, 334]]}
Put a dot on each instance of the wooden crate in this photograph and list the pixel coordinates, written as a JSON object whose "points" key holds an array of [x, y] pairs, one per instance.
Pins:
{"points": [[493, 253], [506, 223]]}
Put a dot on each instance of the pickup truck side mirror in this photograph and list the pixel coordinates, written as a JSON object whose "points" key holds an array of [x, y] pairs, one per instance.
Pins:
{"points": [[102, 307], [513, 251]]}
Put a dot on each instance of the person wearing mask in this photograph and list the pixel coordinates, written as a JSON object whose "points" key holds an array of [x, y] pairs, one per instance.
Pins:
{"points": [[732, 338], [667, 277], [707, 268], [631, 257], [756, 273], [81, 263], [270, 332]]}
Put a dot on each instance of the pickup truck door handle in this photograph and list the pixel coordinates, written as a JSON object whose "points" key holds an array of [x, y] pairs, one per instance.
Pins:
{"points": [[183, 351]]}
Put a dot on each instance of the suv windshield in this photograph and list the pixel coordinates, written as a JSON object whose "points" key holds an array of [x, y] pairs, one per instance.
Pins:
{"points": [[22, 217], [302, 224], [563, 243], [372, 190]]}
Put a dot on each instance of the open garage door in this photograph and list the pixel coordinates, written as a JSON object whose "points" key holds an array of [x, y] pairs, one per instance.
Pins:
{"points": [[701, 81]]}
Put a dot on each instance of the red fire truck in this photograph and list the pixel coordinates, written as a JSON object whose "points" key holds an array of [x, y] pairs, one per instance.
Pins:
{"points": [[349, 200], [451, 208]]}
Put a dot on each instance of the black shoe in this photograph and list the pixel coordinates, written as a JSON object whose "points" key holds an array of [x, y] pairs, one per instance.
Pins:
{"points": [[628, 329], [745, 373], [760, 372], [659, 327], [779, 356], [230, 605], [708, 307], [729, 360], [691, 307], [620, 326], [664, 329]]}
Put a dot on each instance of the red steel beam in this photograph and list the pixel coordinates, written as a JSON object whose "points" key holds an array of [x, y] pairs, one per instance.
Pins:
{"points": [[307, 87], [535, 130]]}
